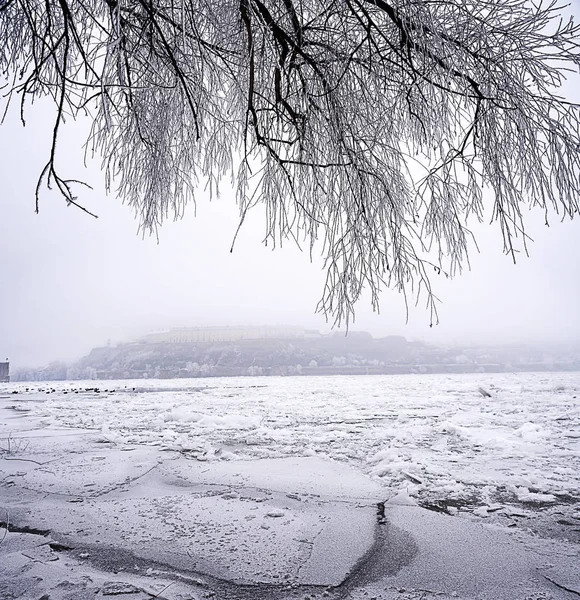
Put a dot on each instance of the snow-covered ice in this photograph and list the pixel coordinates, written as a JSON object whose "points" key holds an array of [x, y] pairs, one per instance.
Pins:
{"points": [[275, 482], [436, 432]]}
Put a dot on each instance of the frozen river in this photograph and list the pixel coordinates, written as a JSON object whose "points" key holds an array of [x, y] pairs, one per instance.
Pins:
{"points": [[285, 488], [435, 436]]}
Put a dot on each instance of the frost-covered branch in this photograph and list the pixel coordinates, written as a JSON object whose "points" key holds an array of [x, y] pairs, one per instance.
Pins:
{"points": [[370, 127]]}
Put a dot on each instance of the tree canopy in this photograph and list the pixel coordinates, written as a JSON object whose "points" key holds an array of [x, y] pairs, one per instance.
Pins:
{"points": [[369, 127]]}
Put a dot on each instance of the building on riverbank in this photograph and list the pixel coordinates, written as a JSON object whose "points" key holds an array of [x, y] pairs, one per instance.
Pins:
{"points": [[225, 334]]}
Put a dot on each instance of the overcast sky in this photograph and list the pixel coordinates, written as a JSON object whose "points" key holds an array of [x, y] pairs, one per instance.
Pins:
{"points": [[70, 282]]}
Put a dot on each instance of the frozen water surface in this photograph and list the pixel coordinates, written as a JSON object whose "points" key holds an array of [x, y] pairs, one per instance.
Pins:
{"points": [[188, 489], [435, 435]]}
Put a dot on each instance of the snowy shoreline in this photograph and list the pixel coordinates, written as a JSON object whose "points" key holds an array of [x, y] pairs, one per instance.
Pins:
{"points": [[300, 465]]}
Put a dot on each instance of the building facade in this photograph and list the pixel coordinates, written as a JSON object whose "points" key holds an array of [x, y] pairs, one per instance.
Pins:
{"points": [[188, 335]]}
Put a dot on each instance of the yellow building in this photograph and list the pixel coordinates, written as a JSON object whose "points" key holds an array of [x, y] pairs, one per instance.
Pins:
{"points": [[223, 334]]}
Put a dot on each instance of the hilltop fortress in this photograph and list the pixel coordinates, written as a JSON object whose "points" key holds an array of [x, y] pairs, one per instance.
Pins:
{"points": [[194, 335]]}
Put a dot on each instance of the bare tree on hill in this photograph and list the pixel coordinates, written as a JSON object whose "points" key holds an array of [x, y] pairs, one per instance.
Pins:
{"points": [[370, 126]]}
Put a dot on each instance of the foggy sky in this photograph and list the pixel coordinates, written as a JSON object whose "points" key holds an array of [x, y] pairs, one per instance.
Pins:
{"points": [[70, 282]]}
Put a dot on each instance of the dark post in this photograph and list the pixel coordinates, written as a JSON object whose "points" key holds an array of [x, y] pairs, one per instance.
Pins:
{"points": [[4, 372]]}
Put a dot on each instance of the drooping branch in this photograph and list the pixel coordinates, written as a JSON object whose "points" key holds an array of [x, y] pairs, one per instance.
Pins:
{"points": [[368, 128]]}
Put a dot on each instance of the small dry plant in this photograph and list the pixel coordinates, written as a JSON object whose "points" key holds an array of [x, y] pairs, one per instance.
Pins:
{"points": [[14, 446]]}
